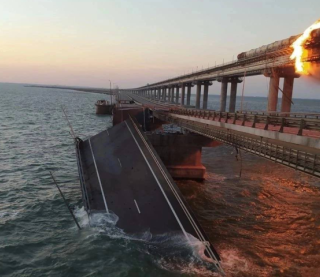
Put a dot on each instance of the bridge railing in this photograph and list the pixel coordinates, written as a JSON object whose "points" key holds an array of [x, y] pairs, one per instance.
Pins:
{"points": [[286, 114], [299, 121], [287, 154]]}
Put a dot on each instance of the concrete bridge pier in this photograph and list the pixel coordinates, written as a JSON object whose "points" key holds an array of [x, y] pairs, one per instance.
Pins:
{"points": [[288, 74], [177, 94], [287, 94], [205, 94], [189, 86], [183, 92], [159, 93], [172, 95], [164, 94], [273, 92], [198, 95], [223, 95], [233, 94], [181, 154]]}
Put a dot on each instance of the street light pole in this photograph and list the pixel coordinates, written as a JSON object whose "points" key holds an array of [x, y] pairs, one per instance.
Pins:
{"points": [[110, 92]]}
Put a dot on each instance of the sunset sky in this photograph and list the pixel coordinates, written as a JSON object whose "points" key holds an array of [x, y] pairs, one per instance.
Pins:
{"points": [[86, 43]]}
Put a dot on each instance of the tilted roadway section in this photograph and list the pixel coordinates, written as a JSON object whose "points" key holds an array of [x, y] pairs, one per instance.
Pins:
{"points": [[120, 172], [301, 152]]}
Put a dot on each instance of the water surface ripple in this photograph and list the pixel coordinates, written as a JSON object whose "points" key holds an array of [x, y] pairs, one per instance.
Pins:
{"points": [[266, 223]]}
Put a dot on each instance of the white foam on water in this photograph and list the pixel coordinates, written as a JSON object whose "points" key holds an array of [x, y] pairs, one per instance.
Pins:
{"points": [[176, 254], [82, 216], [233, 262], [7, 214], [106, 224], [170, 251]]}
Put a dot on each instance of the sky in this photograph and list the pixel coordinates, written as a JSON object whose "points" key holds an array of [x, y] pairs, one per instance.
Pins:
{"points": [[135, 42]]}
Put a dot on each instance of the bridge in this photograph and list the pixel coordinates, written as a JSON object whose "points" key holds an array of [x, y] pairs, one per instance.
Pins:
{"points": [[272, 60], [292, 139], [128, 171]]}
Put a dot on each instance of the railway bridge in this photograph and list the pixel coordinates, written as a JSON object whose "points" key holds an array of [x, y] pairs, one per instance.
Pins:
{"points": [[292, 139], [272, 60]]}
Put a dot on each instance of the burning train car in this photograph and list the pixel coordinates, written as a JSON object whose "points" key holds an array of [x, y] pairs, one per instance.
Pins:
{"points": [[281, 47], [272, 48]]}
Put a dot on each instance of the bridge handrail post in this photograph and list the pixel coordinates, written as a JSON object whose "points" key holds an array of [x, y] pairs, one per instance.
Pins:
{"points": [[283, 122], [254, 121], [244, 120], [267, 123], [302, 126], [235, 118]]}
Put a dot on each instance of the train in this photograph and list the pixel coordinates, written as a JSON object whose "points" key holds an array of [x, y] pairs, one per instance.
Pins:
{"points": [[277, 46]]}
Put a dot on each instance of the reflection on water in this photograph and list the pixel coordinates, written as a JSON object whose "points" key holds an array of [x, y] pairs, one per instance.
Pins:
{"points": [[266, 223], [263, 224]]}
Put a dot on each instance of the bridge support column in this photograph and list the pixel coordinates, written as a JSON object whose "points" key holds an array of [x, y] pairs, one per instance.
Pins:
{"points": [[233, 94], [273, 93], [183, 91], [205, 94], [198, 95], [233, 97], [223, 95], [164, 94], [189, 94], [181, 154], [159, 93], [287, 94], [172, 95], [177, 95]]}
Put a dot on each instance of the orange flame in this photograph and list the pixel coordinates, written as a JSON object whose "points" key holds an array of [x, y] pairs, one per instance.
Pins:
{"points": [[298, 47]]}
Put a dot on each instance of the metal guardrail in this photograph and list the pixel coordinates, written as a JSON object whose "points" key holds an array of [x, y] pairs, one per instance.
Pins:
{"points": [[301, 123], [290, 114], [305, 161]]}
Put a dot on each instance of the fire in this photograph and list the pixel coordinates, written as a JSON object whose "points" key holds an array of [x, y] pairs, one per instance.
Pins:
{"points": [[298, 48]]}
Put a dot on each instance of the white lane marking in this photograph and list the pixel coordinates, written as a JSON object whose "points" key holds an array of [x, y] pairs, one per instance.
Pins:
{"points": [[217, 264], [119, 162], [164, 194], [137, 206], [95, 165]]}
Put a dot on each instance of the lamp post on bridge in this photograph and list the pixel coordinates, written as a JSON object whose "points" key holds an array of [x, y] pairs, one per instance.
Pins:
{"points": [[110, 92]]}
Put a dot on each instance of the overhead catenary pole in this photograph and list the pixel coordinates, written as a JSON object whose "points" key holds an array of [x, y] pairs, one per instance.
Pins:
{"points": [[65, 201], [110, 92]]}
